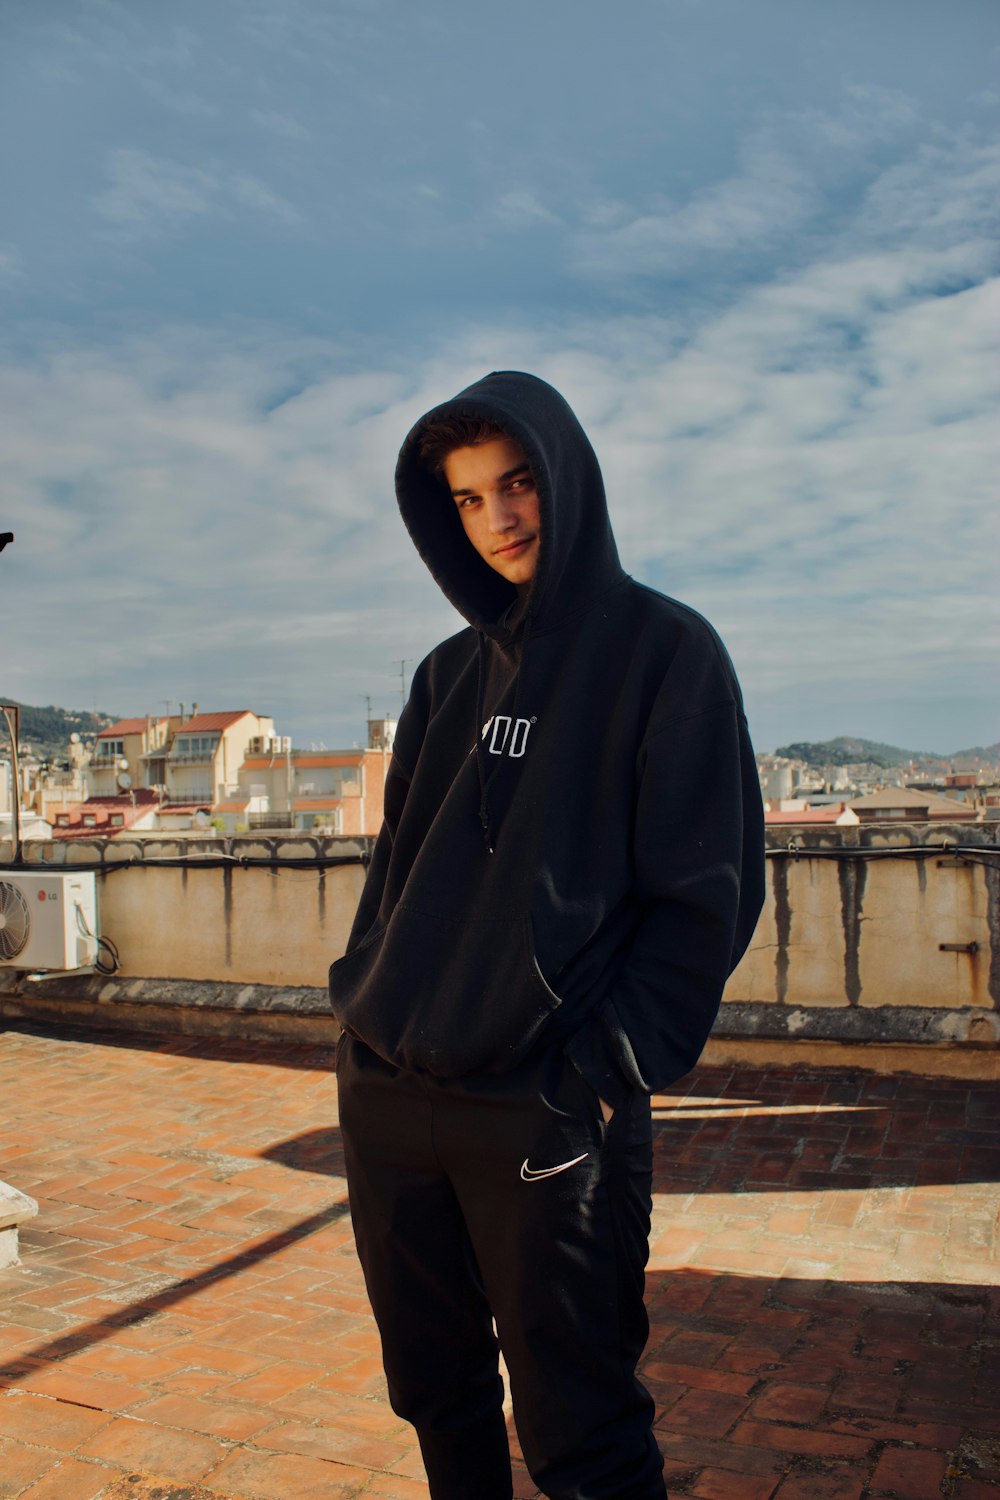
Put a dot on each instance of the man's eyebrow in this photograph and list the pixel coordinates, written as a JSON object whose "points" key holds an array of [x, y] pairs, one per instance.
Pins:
{"points": [[514, 473]]}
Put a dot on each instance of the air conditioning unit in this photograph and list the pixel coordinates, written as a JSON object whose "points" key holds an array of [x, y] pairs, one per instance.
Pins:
{"points": [[256, 745], [47, 920]]}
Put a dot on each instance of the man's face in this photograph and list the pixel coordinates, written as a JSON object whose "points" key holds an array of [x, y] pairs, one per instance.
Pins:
{"points": [[493, 487]]}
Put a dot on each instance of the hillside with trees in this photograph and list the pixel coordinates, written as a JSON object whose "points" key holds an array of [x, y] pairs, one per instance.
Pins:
{"points": [[847, 750], [46, 731]]}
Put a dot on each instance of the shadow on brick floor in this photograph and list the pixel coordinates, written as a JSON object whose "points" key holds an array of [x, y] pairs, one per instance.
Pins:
{"points": [[822, 1285]]}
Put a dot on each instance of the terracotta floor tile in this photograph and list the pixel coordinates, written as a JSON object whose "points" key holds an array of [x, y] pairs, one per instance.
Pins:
{"points": [[144, 1445], [792, 1440], [773, 1279], [789, 1403], [219, 1419], [86, 1390], [333, 1443], [362, 1377], [706, 1413], [70, 1479], [288, 1476], [47, 1423], [719, 1484], [832, 1482], [20, 1465], [275, 1381], [901, 1471]]}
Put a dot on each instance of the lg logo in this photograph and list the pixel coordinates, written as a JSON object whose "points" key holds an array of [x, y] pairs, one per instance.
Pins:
{"points": [[507, 736]]}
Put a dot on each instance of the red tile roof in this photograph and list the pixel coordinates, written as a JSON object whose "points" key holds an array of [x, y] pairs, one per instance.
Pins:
{"points": [[233, 807], [169, 809], [317, 804], [141, 794], [206, 723], [810, 815], [101, 809], [122, 728], [334, 758]]}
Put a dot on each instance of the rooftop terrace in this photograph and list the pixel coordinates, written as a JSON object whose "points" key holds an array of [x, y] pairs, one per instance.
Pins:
{"points": [[189, 1320]]}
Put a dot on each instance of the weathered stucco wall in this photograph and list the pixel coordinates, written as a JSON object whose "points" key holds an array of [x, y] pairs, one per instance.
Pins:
{"points": [[846, 964], [848, 953], [208, 940]]}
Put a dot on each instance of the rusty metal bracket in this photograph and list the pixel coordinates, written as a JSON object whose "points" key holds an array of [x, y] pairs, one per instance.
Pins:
{"points": [[958, 947]]}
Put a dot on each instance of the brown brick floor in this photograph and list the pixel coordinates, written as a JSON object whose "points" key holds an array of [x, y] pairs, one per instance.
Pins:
{"points": [[190, 1319]]}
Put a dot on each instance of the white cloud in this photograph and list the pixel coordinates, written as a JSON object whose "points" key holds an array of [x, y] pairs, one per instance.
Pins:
{"points": [[147, 196], [280, 123], [181, 101], [791, 169], [255, 194], [150, 196], [813, 465], [941, 191], [748, 212], [520, 207]]}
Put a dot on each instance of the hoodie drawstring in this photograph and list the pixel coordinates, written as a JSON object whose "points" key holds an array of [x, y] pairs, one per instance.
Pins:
{"points": [[484, 814], [486, 776]]}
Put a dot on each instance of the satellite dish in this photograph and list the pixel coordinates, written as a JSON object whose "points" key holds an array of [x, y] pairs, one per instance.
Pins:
{"points": [[124, 780], [122, 763], [74, 738]]}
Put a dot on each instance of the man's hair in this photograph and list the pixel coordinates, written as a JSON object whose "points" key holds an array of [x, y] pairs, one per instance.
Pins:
{"points": [[442, 437]]}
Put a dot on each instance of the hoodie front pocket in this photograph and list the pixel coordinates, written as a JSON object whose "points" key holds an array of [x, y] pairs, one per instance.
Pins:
{"points": [[444, 997]]}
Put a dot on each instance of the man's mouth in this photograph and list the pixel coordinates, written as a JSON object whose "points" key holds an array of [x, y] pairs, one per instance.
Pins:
{"points": [[510, 548]]}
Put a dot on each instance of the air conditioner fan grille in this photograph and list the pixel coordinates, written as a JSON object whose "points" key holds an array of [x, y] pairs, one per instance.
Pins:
{"points": [[15, 920]]}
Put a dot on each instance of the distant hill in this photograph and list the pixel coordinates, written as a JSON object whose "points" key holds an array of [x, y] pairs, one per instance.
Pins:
{"points": [[846, 750], [47, 730]]}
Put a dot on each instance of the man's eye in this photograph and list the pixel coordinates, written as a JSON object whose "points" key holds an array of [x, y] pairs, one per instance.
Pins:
{"points": [[467, 500]]}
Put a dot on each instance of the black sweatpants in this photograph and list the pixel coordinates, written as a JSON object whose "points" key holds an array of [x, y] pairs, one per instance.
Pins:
{"points": [[506, 1197]]}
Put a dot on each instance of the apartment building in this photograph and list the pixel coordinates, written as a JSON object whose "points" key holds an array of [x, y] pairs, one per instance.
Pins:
{"points": [[131, 753], [330, 791]]}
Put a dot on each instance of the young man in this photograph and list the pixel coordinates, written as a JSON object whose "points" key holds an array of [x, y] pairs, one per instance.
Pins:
{"points": [[570, 867]]}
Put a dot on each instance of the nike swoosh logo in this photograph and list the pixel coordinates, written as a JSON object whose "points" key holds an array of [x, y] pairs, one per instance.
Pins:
{"points": [[532, 1174]]}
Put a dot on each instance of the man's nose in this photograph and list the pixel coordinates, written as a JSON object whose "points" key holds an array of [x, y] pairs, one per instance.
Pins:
{"points": [[501, 512]]}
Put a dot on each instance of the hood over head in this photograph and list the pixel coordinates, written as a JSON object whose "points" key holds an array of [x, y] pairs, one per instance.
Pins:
{"points": [[577, 557]]}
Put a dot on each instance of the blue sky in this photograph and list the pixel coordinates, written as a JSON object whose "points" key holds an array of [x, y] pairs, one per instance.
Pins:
{"points": [[244, 245]]}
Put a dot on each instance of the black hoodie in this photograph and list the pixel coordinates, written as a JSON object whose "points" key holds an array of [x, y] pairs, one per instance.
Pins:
{"points": [[587, 869]]}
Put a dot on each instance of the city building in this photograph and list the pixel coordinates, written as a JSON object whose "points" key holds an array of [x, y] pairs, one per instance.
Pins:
{"points": [[129, 754], [911, 806], [323, 791], [104, 817]]}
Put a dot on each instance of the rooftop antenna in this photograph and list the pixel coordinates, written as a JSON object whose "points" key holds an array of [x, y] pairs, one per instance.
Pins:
{"points": [[402, 665]]}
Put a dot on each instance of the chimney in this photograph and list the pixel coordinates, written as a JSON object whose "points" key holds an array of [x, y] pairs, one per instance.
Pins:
{"points": [[194, 710]]}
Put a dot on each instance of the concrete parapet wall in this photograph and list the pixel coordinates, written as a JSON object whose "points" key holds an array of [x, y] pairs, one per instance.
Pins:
{"points": [[234, 936], [872, 935], [259, 911]]}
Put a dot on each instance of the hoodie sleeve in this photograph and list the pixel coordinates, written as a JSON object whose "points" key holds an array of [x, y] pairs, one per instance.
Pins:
{"points": [[699, 883]]}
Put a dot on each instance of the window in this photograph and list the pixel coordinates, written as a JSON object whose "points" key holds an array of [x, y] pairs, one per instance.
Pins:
{"points": [[117, 820], [62, 820], [89, 821], [108, 749], [196, 744]]}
